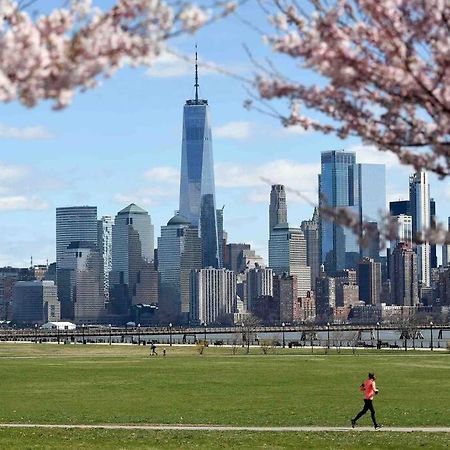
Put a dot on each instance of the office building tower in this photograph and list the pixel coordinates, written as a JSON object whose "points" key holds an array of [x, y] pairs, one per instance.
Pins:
{"points": [[133, 277], [179, 252], [369, 281], [372, 204], [74, 223], [310, 230], [404, 276], [325, 289], [8, 277], [433, 222], [197, 188], [346, 288], [105, 225], [220, 236], [446, 249], [338, 188], [249, 260], [35, 302], [399, 207], [287, 254], [419, 197], [233, 258], [305, 308], [213, 296], [80, 283], [277, 207], [285, 293], [259, 283]]}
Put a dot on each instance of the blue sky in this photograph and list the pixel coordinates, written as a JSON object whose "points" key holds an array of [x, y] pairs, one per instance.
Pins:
{"points": [[121, 143]]}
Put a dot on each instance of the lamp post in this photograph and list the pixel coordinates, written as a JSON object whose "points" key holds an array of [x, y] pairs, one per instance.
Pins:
{"points": [[170, 334], [284, 341], [378, 336], [431, 333], [139, 333], [110, 334], [243, 334], [82, 332], [35, 333], [57, 333], [205, 333], [328, 336]]}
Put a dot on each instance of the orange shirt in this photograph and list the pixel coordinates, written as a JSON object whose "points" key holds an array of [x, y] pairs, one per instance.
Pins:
{"points": [[369, 388]]}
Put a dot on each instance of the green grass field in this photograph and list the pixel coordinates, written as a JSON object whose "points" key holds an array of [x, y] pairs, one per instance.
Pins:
{"points": [[44, 383]]}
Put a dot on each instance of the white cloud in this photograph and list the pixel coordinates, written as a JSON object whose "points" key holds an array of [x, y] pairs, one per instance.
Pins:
{"points": [[299, 179], [369, 154], [27, 133], [233, 130], [169, 65], [146, 197], [295, 130], [165, 174], [10, 173], [22, 202]]}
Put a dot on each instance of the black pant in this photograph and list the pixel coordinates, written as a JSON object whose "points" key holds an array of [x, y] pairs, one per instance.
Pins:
{"points": [[368, 406]]}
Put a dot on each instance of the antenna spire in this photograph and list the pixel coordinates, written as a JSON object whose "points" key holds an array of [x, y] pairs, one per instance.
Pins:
{"points": [[196, 75]]}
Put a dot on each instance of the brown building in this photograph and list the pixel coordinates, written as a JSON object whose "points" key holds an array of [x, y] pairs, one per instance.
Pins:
{"points": [[285, 293], [305, 308]]}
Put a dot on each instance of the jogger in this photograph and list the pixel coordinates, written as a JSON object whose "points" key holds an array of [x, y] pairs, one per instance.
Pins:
{"points": [[370, 390]]}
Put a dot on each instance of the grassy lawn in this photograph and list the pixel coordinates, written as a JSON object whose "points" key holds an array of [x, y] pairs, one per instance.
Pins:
{"points": [[45, 383], [167, 440]]}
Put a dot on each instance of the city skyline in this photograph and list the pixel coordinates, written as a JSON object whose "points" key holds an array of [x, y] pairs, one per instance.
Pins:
{"points": [[112, 147]]}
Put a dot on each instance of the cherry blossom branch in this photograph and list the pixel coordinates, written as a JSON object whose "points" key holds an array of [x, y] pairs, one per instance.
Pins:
{"points": [[385, 68], [51, 57]]}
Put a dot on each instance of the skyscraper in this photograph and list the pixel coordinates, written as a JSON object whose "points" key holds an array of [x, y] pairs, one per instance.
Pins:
{"points": [[259, 283], [404, 276], [179, 252], [419, 197], [446, 250], [80, 283], [277, 207], [310, 229], [197, 188], [105, 226], [287, 254], [213, 296], [338, 188], [133, 277], [433, 252], [75, 223], [369, 281]]}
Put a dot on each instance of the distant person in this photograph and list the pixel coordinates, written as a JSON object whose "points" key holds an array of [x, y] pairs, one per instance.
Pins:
{"points": [[370, 390], [164, 352], [153, 353]]}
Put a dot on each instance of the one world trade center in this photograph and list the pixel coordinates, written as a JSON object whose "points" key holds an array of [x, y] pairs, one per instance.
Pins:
{"points": [[197, 188]]}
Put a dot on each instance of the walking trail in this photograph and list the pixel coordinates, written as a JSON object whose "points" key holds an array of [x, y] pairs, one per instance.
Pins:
{"points": [[225, 428]]}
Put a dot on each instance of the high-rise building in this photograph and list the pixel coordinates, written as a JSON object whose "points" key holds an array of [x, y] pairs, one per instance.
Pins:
{"points": [[433, 223], [233, 259], [404, 276], [419, 197], [179, 252], [372, 204], [133, 277], [277, 207], [287, 254], [80, 283], [213, 296], [35, 302], [325, 296], [220, 236], [8, 277], [259, 283], [338, 188], [347, 292], [369, 281], [345, 184], [197, 188], [105, 225], [285, 294], [75, 223], [310, 230], [446, 250], [399, 207]]}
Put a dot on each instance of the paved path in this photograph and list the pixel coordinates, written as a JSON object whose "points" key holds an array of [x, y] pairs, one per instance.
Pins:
{"points": [[224, 428]]}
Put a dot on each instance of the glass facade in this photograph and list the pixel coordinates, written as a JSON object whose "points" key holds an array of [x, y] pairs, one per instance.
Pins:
{"points": [[197, 188]]}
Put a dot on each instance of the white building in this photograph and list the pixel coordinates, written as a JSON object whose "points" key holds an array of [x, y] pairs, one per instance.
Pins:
{"points": [[213, 295]]}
